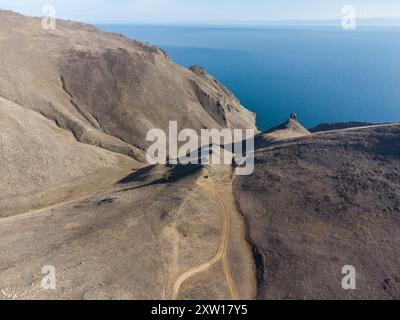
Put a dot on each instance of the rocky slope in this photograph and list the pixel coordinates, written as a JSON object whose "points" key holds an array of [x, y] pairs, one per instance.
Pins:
{"points": [[42, 164], [104, 88], [317, 203], [78, 83]]}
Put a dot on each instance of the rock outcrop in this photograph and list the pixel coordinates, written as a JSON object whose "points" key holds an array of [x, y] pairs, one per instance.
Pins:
{"points": [[289, 129]]}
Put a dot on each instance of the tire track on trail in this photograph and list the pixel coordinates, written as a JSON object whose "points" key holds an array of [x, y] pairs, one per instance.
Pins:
{"points": [[221, 254]]}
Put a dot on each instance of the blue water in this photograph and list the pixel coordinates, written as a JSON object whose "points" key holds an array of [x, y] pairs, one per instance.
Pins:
{"points": [[324, 74]]}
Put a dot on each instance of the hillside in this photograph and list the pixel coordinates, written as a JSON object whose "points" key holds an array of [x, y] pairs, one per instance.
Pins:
{"points": [[42, 164], [80, 84], [106, 89], [141, 238], [317, 203], [339, 125], [75, 192], [76, 104]]}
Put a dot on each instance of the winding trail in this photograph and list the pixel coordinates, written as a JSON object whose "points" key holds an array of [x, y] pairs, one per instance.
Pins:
{"points": [[85, 188], [221, 254], [218, 183]]}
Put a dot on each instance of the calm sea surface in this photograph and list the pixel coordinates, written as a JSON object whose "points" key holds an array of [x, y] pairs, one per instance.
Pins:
{"points": [[324, 74]]}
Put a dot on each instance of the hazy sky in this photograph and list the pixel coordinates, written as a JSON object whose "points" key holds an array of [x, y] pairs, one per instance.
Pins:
{"points": [[186, 11]]}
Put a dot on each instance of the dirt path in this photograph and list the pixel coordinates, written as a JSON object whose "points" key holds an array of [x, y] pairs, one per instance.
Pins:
{"points": [[227, 270], [218, 185], [221, 254], [83, 188]]}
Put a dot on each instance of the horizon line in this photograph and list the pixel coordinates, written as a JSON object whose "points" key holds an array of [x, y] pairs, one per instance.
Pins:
{"points": [[374, 21], [365, 22]]}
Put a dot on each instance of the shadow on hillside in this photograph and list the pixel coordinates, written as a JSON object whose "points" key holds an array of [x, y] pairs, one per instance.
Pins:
{"points": [[178, 172], [138, 176]]}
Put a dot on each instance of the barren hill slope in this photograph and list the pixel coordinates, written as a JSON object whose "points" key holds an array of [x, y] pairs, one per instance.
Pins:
{"points": [[104, 88], [110, 233], [75, 101], [315, 204], [42, 164], [142, 238]]}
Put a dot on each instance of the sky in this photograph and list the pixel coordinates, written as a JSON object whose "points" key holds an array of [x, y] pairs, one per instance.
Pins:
{"points": [[202, 11]]}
